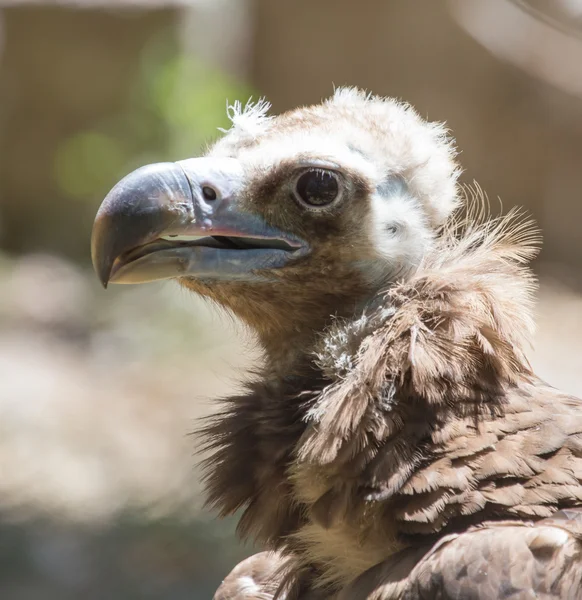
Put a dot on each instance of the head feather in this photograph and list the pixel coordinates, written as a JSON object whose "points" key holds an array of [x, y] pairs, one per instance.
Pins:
{"points": [[251, 119]]}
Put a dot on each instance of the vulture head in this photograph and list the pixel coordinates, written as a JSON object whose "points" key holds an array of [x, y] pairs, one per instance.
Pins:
{"points": [[288, 220], [397, 443]]}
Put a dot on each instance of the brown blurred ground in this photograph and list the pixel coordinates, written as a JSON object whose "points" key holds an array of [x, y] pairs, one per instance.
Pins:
{"points": [[99, 493]]}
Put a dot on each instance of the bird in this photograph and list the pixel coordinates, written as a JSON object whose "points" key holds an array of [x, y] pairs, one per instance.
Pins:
{"points": [[394, 442]]}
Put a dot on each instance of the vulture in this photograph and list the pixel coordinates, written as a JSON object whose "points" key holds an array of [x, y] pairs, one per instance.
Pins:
{"points": [[394, 442]]}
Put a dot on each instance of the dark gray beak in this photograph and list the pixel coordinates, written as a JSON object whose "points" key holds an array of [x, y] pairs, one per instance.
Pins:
{"points": [[185, 219]]}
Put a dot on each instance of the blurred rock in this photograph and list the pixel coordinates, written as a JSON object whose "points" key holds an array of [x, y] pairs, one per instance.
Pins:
{"points": [[99, 392], [47, 292]]}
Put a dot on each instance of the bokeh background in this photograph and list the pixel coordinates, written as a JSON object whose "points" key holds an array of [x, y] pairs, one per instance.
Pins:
{"points": [[99, 391]]}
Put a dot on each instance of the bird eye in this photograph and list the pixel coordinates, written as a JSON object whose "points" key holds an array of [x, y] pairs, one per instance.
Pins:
{"points": [[317, 187], [209, 193]]}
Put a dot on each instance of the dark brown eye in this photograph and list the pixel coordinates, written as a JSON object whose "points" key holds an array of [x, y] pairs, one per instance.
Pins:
{"points": [[317, 187], [208, 193]]}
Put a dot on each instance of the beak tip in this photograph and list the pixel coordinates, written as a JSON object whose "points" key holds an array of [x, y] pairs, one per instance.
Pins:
{"points": [[101, 265], [103, 276]]}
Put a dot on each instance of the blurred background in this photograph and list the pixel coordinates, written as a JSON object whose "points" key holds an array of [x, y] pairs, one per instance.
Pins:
{"points": [[99, 489]]}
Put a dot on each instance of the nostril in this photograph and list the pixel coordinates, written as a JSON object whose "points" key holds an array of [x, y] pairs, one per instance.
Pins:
{"points": [[209, 193]]}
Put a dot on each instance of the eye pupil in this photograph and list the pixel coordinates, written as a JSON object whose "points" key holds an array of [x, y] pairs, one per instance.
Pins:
{"points": [[317, 187], [208, 193]]}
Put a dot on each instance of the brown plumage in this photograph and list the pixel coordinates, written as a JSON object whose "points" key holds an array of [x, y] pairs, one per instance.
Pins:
{"points": [[431, 421], [396, 443], [505, 559]]}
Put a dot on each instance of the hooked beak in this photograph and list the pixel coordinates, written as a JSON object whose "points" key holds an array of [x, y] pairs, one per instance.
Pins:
{"points": [[184, 219]]}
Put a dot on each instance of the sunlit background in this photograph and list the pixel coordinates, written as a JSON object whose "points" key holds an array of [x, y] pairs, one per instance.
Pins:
{"points": [[99, 391]]}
